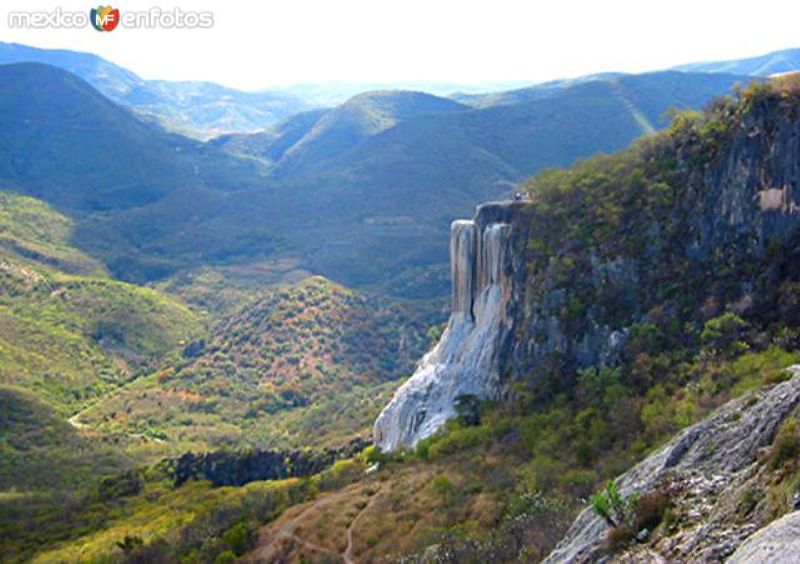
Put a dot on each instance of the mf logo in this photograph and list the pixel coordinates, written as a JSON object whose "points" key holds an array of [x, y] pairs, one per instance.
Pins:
{"points": [[104, 18]]}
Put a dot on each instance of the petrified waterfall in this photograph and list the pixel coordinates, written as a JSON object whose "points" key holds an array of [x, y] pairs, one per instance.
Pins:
{"points": [[464, 362]]}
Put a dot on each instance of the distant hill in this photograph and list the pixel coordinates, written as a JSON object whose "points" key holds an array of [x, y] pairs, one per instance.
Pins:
{"points": [[197, 108], [776, 62], [272, 143], [764, 65], [318, 135], [329, 94], [64, 141], [527, 93], [359, 118], [134, 188]]}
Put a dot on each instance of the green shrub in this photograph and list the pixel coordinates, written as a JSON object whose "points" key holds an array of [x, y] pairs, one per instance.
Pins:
{"points": [[723, 334], [627, 515], [373, 455], [614, 508], [342, 472], [786, 446], [239, 538], [459, 439], [442, 486], [423, 449], [226, 557]]}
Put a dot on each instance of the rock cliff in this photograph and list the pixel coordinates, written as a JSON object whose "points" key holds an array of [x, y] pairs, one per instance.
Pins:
{"points": [[681, 227], [467, 359], [713, 469]]}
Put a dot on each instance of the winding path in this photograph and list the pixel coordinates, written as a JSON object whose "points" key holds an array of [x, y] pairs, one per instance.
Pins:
{"points": [[76, 424], [267, 553], [347, 555]]}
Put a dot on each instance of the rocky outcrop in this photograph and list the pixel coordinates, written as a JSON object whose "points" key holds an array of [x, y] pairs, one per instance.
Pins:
{"points": [[709, 467], [467, 359], [731, 205], [232, 468], [777, 543]]}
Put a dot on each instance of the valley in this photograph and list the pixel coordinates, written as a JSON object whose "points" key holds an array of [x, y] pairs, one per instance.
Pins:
{"points": [[261, 283]]}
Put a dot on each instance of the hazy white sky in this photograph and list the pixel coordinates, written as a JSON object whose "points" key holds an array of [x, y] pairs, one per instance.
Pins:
{"points": [[257, 44]]}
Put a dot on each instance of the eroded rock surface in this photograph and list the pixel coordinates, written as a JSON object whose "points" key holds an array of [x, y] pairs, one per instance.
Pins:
{"points": [[466, 359], [778, 542], [710, 466]]}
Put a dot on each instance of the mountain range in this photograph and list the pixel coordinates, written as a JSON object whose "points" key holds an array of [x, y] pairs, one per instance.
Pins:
{"points": [[200, 109], [258, 291], [777, 62], [382, 175]]}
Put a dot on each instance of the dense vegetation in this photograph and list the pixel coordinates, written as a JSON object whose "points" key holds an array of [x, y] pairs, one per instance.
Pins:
{"points": [[300, 365], [68, 332]]}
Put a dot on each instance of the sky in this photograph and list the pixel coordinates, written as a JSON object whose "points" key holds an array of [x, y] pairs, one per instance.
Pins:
{"points": [[261, 44]]}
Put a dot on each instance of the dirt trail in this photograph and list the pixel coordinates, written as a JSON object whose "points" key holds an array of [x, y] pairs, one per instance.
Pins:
{"points": [[275, 538], [347, 555], [270, 551], [76, 424]]}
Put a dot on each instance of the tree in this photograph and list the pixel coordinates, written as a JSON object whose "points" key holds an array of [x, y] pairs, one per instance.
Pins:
{"points": [[130, 543], [723, 334], [468, 408]]}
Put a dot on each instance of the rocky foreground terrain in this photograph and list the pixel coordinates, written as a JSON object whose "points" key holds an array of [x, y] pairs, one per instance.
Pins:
{"points": [[721, 478]]}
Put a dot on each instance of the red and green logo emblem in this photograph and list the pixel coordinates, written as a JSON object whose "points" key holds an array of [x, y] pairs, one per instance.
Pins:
{"points": [[104, 18]]}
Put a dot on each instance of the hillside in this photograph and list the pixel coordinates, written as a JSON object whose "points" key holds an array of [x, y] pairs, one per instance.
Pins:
{"points": [[301, 365], [777, 62], [68, 336], [199, 109], [140, 197], [364, 217], [271, 144], [40, 451], [359, 118], [74, 135], [67, 331]]}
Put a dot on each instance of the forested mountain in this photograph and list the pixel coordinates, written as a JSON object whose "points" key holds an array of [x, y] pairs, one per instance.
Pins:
{"points": [[200, 109], [776, 62]]}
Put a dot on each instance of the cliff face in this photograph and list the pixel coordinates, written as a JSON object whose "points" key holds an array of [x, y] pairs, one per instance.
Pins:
{"points": [[467, 359], [679, 229], [721, 236]]}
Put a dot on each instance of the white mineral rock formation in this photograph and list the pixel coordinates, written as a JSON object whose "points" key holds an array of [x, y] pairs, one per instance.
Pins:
{"points": [[464, 362]]}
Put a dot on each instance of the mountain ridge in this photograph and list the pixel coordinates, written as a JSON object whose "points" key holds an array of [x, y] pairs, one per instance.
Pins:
{"points": [[191, 107]]}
